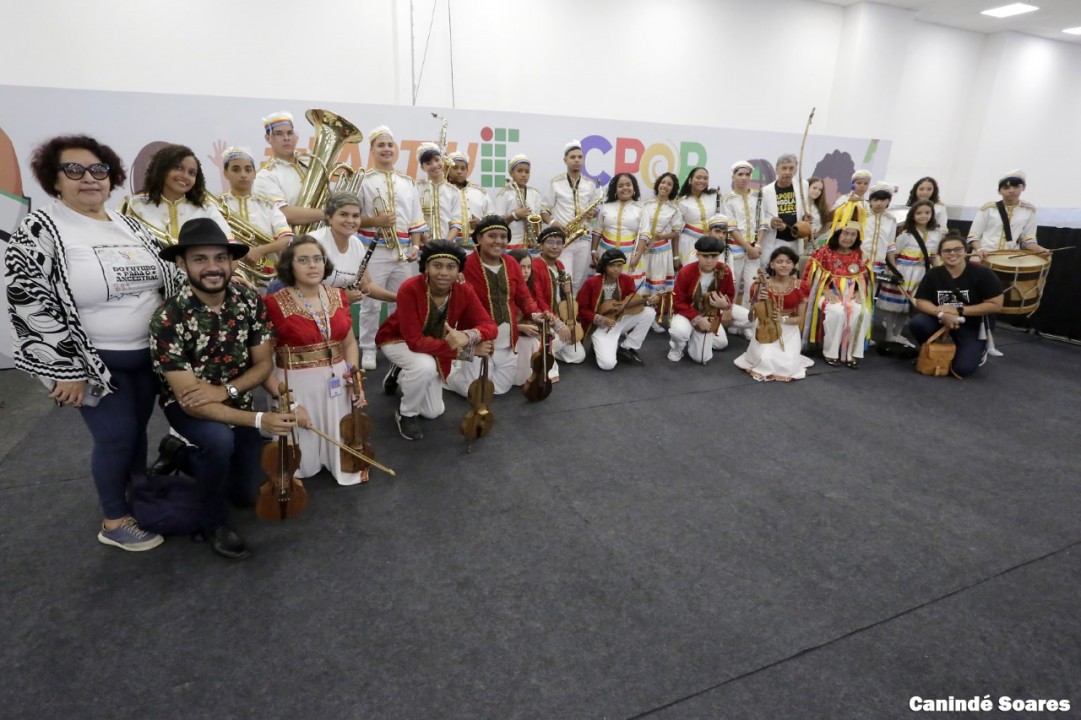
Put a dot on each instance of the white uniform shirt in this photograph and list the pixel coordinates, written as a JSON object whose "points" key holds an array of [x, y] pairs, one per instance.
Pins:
{"points": [[506, 202], [659, 218], [879, 230], [436, 206], [987, 227], [741, 210], [399, 196], [170, 217], [469, 202], [260, 212], [279, 180], [564, 200], [619, 223]]}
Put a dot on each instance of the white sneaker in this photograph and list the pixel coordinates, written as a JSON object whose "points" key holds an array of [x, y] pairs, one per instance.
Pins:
{"points": [[367, 360], [655, 327], [675, 355], [747, 333], [995, 352]]}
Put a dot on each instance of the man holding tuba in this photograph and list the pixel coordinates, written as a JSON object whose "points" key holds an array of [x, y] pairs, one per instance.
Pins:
{"points": [[519, 206], [281, 176], [244, 210], [392, 219]]}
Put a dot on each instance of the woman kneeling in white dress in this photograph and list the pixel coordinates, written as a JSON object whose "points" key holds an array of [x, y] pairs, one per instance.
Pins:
{"points": [[782, 300]]}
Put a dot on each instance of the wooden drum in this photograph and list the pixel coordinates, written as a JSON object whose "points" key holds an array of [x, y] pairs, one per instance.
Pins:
{"points": [[1023, 279]]}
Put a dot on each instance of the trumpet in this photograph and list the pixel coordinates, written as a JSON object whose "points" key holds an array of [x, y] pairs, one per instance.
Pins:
{"points": [[389, 235], [532, 221]]}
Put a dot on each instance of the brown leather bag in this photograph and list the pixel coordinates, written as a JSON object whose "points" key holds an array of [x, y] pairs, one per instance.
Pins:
{"points": [[936, 357]]}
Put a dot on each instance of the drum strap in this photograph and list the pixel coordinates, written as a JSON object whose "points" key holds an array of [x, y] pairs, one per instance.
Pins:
{"points": [[1005, 221]]}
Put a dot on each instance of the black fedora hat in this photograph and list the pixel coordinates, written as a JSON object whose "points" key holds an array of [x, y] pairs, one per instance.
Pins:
{"points": [[202, 232]]}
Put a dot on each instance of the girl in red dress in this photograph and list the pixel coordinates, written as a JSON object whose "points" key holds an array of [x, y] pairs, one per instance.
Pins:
{"points": [[316, 352]]}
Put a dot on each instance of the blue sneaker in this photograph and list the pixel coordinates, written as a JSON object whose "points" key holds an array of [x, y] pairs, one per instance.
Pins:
{"points": [[129, 536]]}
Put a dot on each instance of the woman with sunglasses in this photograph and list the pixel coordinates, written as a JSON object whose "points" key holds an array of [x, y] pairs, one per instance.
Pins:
{"points": [[83, 283], [315, 353]]}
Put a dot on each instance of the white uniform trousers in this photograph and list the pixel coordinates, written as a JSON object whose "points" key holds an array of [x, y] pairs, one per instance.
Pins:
{"points": [[388, 272], [576, 258], [526, 347], [606, 342], [502, 371], [838, 320], [682, 336], [744, 273], [422, 389]]}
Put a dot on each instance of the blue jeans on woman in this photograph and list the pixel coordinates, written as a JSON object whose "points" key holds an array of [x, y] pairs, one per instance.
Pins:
{"points": [[118, 426]]}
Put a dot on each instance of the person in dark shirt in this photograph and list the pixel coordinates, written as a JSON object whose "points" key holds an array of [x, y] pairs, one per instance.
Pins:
{"points": [[961, 296]]}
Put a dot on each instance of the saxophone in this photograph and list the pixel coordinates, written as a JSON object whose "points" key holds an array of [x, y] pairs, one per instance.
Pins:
{"points": [[579, 224], [532, 221]]}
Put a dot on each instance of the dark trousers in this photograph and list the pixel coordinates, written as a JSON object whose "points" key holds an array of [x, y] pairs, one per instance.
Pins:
{"points": [[970, 349], [225, 462], [118, 426]]}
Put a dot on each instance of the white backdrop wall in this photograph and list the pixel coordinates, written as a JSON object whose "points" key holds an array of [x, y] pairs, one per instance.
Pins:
{"points": [[961, 106]]}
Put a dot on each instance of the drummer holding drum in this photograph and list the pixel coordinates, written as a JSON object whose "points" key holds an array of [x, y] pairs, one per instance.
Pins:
{"points": [[1003, 236]]}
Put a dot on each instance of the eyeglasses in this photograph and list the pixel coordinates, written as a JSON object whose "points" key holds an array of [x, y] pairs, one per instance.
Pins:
{"points": [[554, 241], [307, 260], [75, 171], [951, 251]]}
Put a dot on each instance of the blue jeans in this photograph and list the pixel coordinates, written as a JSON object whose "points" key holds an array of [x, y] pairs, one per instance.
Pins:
{"points": [[225, 462], [970, 349], [118, 426]]}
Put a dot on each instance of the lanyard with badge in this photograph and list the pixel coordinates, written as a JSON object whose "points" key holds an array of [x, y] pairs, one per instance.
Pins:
{"points": [[334, 383]]}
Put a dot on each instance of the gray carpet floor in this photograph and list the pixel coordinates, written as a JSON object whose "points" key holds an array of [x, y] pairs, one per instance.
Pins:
{"points": [[672, 541]]}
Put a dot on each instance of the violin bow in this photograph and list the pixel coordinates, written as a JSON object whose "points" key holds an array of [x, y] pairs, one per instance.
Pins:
{"points": [[351, 451]]}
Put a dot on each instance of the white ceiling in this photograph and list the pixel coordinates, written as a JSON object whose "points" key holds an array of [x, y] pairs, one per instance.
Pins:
{"points": [[1047, 22]]}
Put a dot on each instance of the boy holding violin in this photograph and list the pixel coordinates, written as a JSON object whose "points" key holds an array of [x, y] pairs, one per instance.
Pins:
{"points": [[552, 287], [703, 300], [618, 317], [503, 292], [437, 320]]}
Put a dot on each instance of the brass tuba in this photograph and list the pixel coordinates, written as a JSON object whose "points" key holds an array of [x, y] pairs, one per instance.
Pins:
{"points": [[332, 133]]}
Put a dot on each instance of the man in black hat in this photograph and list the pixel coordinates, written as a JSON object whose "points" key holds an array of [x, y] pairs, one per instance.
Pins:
{"points": [[211, 345]]}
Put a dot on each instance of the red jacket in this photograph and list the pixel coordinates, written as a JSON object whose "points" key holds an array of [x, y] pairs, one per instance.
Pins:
{"points": [[519, 297], [542, 284], [590, 296], [687, 282], [407, 323]]}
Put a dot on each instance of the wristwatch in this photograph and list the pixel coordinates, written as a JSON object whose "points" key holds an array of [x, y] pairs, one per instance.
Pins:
{"points": [[233, 392], [961, 310]]}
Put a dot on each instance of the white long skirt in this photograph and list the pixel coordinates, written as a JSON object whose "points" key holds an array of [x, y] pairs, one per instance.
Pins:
{"points": [[768, 361], [309, 388]]}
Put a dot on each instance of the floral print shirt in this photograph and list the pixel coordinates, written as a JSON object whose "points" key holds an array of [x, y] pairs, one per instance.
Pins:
{"points": [[187, 335]]}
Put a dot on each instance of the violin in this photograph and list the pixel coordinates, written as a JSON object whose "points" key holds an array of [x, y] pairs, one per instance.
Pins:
{"points": [[764, 309], [479, 420], [632, 305], [355, 430], [282, 496], [567, 309], [539, 385]]}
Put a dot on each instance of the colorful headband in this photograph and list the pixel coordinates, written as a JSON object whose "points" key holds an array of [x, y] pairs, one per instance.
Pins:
{"points": [[273, 120], [232, 153], [458, 157], [1012, 175], [742, 164], [376, 132], [718, 220], [516, 160], [861, 174], [572, 145]]}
